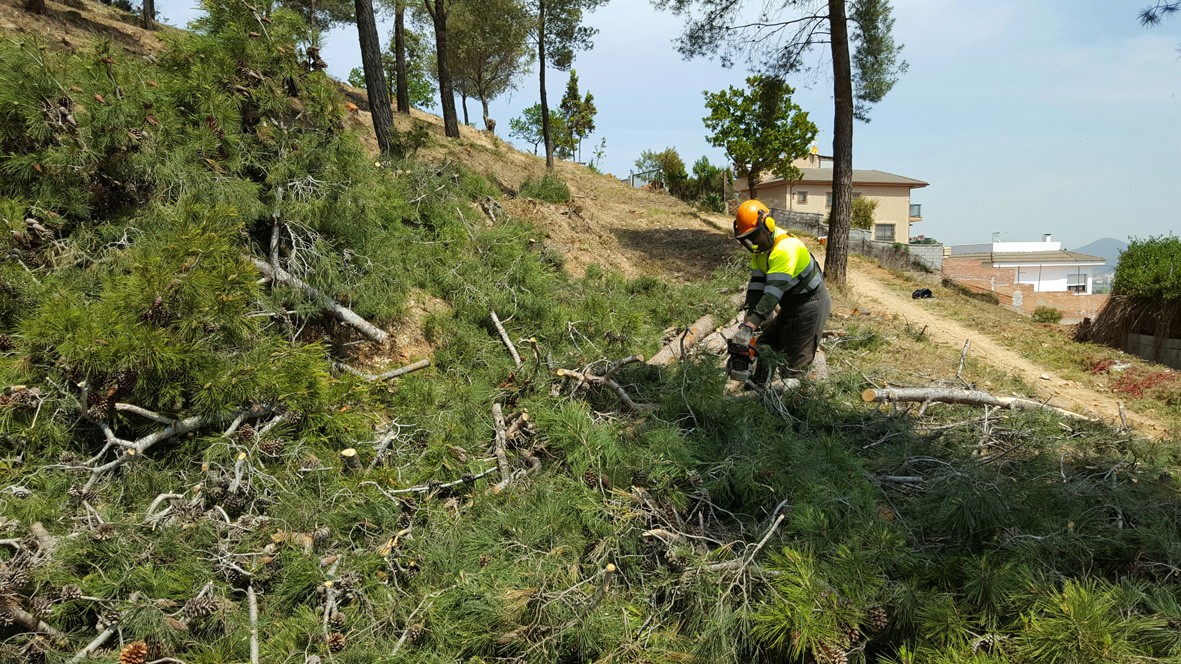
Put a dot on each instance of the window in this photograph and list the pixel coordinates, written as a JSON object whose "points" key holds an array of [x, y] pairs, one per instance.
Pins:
{"points": [[828, 200], [1076, 282], [801, 197], [883, 232]]}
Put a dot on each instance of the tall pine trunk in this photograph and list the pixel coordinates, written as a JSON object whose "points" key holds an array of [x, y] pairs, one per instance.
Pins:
{"points": [[463, 99], [400, 80], [489, 124], [35, 6], [438, 14], [545, 128], [375, 87], [149, 14], [837, 256]]}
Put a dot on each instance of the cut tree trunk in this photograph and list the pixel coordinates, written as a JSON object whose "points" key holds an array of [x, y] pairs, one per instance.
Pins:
{"points": [[149, 14], [676, 348]]}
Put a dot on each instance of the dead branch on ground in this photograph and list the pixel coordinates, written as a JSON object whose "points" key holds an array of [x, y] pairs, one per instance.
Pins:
{"points": [[342, 313], [508, 343], [400, 371], [926, 395], [604, 380]]}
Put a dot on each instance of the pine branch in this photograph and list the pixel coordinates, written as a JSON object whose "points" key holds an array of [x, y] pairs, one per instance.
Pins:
{"points": [[342, 313]]}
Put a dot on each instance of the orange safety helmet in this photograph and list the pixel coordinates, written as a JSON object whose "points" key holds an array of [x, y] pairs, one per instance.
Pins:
{"points": [[751, 218]]}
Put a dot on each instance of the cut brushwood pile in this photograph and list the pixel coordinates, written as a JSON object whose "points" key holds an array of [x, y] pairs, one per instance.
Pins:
{"points": [[220, 443]]}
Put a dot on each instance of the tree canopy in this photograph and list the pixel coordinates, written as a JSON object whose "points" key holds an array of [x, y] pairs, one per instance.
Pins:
{"points": [[489, 48], [760, 128], [528, 128]]}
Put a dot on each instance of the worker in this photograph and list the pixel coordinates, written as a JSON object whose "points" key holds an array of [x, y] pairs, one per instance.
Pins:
{"points": [[783, 274]]}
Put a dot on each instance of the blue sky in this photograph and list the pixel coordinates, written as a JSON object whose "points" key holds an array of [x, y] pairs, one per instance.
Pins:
{"points": [[1056, 116]]}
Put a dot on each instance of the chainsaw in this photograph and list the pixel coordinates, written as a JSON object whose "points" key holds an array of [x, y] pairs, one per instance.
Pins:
{"points": [[742, 360]]}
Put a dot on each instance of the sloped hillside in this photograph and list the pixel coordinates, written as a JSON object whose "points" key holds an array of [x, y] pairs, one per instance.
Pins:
{"points": [[267, 398]]}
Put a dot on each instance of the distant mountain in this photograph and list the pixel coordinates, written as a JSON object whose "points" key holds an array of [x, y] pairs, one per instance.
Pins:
{"points": [[1107, 248]]}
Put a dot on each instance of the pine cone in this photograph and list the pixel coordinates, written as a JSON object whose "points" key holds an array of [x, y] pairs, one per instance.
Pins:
{"points": [[346, 587], [41, 608], [106, 620], [134, 653], [415, 633], [272, 446], [69, 592], [336, 642], [591, 479], [876, 618], [198, 608], [851, 633], [6, 342], [321, 535], [484, 560], [236, 503], [246, 433], [831, 654], [337, 620]]}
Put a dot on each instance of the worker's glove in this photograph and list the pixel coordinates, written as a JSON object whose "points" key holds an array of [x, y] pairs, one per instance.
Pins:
{"points": [[744, 334]]}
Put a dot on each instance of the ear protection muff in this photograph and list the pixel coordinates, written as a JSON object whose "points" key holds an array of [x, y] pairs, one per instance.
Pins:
{"points": [[766, 222]]}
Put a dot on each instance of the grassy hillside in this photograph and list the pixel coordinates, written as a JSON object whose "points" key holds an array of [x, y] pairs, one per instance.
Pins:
{"points": [[188, 241]]}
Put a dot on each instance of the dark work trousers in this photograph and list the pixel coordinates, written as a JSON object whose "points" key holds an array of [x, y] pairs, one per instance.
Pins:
{"points": [[795, 330]]}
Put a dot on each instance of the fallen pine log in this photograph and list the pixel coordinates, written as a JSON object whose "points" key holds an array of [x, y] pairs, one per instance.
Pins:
{"points": [[958, 396]]}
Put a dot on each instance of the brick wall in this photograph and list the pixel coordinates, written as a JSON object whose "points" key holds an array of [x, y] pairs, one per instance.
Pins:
{"points": [[981, 277]]}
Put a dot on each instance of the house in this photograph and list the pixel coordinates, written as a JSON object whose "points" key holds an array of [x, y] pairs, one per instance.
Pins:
{"points": [[1027, 275], [812, 193]]}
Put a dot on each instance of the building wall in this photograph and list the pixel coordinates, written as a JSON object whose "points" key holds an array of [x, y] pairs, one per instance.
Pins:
{"points": [[1023, 297], [893, 202], [1045, 279]]}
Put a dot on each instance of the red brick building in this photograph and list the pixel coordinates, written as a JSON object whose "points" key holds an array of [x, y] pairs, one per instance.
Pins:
{"points": [[1028, 275]]}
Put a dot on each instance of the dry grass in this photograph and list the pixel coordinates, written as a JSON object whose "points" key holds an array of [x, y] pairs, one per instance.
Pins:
{"points": [[78, 23]]}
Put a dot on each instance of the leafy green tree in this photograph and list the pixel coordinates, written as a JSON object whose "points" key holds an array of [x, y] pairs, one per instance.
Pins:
{"points": [[529, 128], [420, 90], [669, 166], [578, 111], [778, 41], [557, 32], [419, 55], [760, 128], [862, 213], [489, 50], [1150, 268]]}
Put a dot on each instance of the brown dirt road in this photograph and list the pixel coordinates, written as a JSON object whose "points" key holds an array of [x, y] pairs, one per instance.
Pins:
{"points": [[867, 285]]}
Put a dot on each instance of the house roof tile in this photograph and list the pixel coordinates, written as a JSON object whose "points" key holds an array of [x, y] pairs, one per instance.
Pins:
{"points": [[1035, 257], [860, 176]]}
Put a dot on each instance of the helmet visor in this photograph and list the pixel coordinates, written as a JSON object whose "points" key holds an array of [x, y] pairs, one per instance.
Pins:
{"points": [[747, 240]]}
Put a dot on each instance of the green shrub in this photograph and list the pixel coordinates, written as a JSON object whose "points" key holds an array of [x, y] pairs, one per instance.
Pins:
{"points": [[548, 188], [1150, 268], [1047, 315]]}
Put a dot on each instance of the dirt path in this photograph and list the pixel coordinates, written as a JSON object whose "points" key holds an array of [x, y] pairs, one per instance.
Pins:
{"points": [[866, 284]]}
